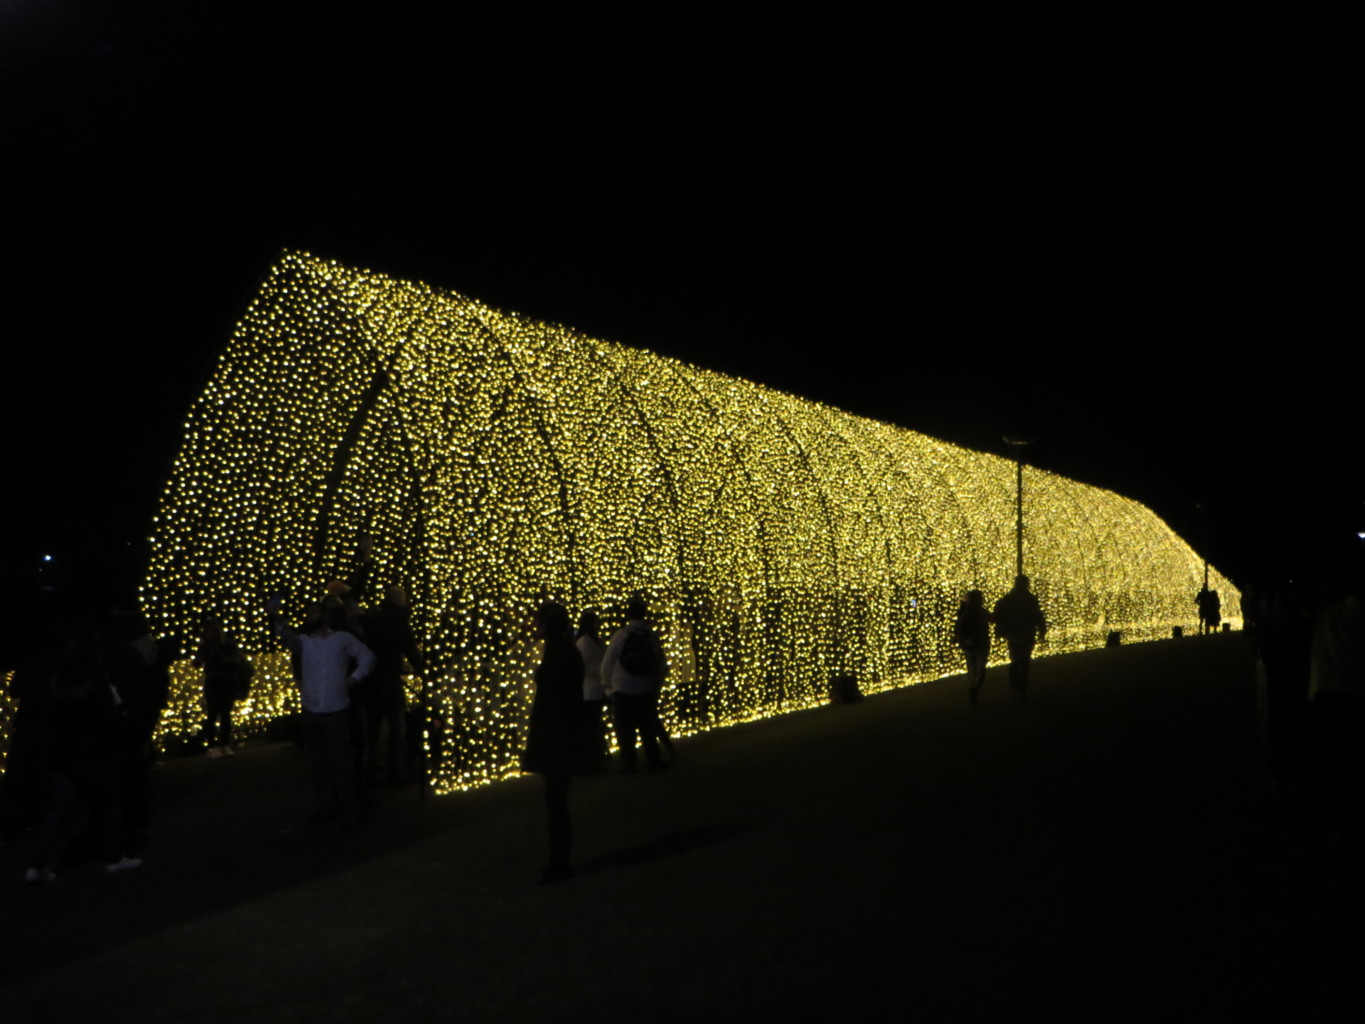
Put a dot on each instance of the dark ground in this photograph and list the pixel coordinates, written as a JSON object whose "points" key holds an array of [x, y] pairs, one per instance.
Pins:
{"points": [[1106, 851]]}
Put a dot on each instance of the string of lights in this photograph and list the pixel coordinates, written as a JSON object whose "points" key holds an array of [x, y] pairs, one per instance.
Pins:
{"points": [[496, 462]]}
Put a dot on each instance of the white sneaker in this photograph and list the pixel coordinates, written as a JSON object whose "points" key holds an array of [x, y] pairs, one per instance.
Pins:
{"points": [[35, 875], [228, 752], [126, 864], [215, 752]]}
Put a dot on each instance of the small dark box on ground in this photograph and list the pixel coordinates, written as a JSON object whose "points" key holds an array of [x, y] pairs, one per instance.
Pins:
{"points": [[844, 690]]}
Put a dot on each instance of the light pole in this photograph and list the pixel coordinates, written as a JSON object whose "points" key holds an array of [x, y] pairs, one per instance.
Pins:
{"points": [[1018, 444], [1205, 509]]}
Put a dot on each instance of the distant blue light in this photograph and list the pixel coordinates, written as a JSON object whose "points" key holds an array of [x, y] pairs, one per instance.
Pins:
{"points": [[47, 558]]}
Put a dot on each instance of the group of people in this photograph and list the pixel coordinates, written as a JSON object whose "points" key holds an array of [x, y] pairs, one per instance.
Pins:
{"points": [[1019, 621], [349, 666], [1210, 608], [82, 745], [578, 677]]}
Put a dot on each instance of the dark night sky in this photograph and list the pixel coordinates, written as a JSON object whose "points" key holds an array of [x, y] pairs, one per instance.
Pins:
{"points": [[1150, 262]]}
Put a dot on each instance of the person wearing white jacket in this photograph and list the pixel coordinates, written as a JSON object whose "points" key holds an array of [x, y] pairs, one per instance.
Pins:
{"points": [[633, 670], [332, 661]]}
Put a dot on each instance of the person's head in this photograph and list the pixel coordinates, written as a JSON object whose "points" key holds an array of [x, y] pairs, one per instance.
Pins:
{"points": [[1021, 582], [636, 608], [335, 588], [313, 618], [327, 614], [213, 632], [396, 595], [589, 623], [552, 620], [975, 599], [334, 612]]}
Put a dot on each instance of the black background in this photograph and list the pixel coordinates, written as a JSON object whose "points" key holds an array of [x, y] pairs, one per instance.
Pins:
{"points": [[1142, 251]]}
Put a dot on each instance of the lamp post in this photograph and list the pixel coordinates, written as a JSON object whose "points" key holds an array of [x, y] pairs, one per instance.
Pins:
{"points": [[1205, 509], [1018, 444]]}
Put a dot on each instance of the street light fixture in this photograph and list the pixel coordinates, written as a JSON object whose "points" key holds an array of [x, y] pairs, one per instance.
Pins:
{"points": [[1018, 444], [1205, 509]]}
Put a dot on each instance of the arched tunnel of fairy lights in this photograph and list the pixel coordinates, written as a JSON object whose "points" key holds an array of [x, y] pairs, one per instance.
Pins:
{"points": [[497, 461]]}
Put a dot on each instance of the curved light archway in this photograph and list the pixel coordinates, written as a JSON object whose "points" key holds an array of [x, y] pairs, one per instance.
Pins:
{"points": [[497, 461]]}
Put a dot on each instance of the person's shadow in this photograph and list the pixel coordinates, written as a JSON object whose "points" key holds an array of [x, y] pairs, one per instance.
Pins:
{"points": [[669, 845]]}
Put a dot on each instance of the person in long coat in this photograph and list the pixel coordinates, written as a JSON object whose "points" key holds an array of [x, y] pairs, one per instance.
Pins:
{"points": [[558, 744]]}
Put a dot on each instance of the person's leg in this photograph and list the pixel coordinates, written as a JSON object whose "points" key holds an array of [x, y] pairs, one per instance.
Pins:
{"points": [[1019, 654], [104, 785], [360, 719], [213, 715], [560, 828], [976, 672], [654, 726], [311, 724], [339, 730], [396, 715], [624, 718], [63, 801]]}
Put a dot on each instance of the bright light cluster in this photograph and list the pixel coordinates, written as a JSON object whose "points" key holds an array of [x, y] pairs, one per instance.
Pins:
{"points": [[8, 707], [497, 461]]}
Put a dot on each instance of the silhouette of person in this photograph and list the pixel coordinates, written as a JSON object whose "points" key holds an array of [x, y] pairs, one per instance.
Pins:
{"points": [[1020, 623], [86, 739], [388, 632], [633, 670], [557, 744], [222, 663], [1210, 610], [1336, 691], [331, 662], [591, 647], [972, 632]]}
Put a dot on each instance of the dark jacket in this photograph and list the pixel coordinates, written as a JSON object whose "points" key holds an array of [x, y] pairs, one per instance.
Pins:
{"points": [[388, 632], [558, 741], [1019, 617], [972, 630]]}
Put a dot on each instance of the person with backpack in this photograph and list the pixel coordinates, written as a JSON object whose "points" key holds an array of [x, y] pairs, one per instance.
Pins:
{"points": [[633, 670]]}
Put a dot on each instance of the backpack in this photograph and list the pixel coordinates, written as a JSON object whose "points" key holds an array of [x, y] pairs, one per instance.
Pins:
{"points": [[639, 657]]}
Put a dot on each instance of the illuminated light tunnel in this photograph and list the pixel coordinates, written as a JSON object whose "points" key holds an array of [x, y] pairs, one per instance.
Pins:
{"points": [[498, 461]]}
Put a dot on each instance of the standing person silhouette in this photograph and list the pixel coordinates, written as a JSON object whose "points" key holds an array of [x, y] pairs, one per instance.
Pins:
{"points": [[557, 744], [224, 665], [331, 662], [972, 632], [590, 646], [1020, 623], [388, 632], [632, 671]]}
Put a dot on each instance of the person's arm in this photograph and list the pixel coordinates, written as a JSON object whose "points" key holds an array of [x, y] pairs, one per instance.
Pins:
{"points": [[363, 656], [281, 628], [663, 661], [411, 651], [609, 662]]}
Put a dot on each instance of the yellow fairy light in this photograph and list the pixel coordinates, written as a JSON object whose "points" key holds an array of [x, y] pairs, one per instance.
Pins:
{"points": [[497, 461]]}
